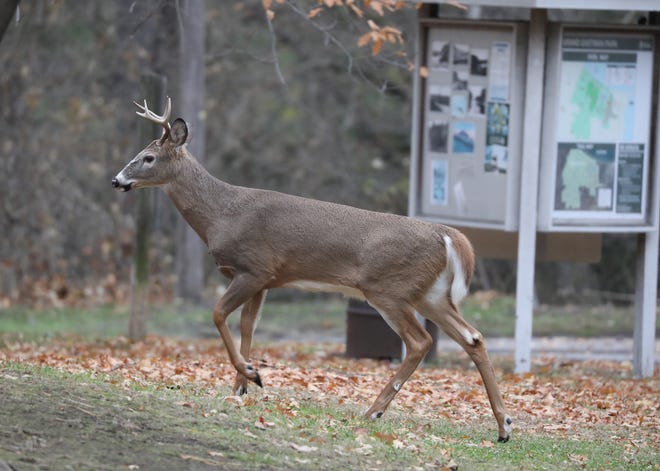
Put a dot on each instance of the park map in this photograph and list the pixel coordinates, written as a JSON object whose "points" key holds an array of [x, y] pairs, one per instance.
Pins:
{"points": [[597, 102]]}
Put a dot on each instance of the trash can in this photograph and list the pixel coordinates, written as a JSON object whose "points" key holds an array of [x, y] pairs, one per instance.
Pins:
{"points": [[369, 336]]}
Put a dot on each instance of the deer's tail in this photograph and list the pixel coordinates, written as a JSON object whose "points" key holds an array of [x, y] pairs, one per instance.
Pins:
{"points": [[460, 262]]}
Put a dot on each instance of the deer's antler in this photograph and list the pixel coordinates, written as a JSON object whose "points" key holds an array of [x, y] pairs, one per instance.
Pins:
{"points": [[163, 120]]}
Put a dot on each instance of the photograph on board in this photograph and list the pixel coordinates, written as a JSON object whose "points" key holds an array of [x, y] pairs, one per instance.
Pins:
{"points": [[461, 54], [459, 105], [439, 183], [460, 80], [438, 136], [440, 55], [439, 98], [497, 122], [463, 137], [479, 62], [496, 158], [477, 99]]}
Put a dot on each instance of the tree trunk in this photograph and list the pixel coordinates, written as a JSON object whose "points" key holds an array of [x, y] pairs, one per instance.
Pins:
{"points": [[7, 10], [189, 262], [154, 92]]}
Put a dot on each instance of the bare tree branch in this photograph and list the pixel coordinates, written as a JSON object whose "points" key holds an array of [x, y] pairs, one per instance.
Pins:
{"points": [[353, 66], [273, 48], [329, 38]]}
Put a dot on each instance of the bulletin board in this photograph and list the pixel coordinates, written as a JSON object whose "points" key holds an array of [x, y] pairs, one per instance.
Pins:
{"points": [[597, 129], [467, 157]]}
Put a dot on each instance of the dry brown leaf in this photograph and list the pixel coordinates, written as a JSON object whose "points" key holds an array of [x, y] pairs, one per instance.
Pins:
{"points": [[375, 48], [386, 437], [376, 6], [237, 400], [548, 400], [262, 424], [314, 12]]}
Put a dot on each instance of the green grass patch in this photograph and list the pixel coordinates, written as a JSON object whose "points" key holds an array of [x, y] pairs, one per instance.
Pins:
{"points": [[279, 320], [324, 317], [496, 318]]}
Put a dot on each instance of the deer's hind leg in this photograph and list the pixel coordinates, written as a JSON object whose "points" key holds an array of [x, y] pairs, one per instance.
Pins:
{"points": [[250, 315], [401, 317], [447, 316]]}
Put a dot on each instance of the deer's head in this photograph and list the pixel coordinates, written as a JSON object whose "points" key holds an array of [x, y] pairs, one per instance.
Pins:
{"points": [[157, 163]]}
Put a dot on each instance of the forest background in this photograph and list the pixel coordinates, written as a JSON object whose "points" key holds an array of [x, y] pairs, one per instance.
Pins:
{"points": [[292, 103]]}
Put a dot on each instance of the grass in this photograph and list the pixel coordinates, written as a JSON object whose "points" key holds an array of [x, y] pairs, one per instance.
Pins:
{"points": [[496, 318], [54, 419], [324, 317]]}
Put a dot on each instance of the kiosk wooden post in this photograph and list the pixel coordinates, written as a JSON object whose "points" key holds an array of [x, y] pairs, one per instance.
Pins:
{"points": [[529, 188]]}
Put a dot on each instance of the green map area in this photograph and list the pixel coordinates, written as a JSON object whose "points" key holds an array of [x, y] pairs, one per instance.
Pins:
{"points": [[580, 171], [597, 102], [594, 101]]}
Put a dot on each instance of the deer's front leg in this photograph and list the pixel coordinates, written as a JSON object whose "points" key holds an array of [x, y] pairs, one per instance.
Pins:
{"points": [[417, 341], [241, 289], [249, 316]]}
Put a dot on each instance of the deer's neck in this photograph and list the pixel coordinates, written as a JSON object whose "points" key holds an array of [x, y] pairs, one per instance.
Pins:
{"points": [[198, 195]]}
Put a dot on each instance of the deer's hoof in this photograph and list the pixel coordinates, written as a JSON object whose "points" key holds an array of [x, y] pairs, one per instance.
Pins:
{"points": [[253, 375], [507, 431], [240, 390], [375, 415]]}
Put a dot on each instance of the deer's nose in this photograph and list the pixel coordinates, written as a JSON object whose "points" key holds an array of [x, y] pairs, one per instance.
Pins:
{"points": [[115, 183]]}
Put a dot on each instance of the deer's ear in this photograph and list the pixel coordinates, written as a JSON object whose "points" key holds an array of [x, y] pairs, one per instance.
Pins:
{"points": [[179, 132]]}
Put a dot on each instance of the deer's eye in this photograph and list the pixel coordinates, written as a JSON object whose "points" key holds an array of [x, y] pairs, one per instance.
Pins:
{"points": [[149, 158]]}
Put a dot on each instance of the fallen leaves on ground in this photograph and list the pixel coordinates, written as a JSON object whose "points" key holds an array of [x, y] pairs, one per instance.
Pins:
{"points": [[565, 399]]}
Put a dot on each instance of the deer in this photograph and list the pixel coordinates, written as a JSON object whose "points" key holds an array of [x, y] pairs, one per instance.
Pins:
{"points": [[261, 240]]}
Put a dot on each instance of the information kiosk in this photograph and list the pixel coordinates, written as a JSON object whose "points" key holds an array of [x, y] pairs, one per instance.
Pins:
{"points": [[535, 131]]}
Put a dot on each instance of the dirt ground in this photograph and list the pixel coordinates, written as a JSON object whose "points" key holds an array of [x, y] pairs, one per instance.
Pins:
{"points": [[48, 423]]}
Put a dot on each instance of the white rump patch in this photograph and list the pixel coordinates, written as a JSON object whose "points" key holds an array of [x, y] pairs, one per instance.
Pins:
{"points": [[439, 288], [316, 286], [458, 287]]}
